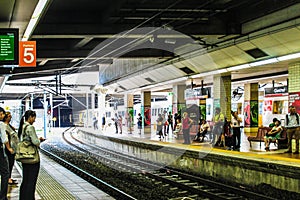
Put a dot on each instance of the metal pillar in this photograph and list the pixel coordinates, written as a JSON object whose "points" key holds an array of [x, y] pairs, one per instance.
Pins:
{"points": [[87, 110], [45, 113]]}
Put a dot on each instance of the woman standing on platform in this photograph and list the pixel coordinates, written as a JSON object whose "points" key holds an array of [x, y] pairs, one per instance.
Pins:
{"points": [[11, 146], [159, 126], [30, 171], [186, 123], [236, 129]]}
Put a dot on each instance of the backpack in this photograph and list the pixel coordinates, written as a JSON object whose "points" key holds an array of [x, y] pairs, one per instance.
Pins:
{"points": [[287, 118], [13, 138]]}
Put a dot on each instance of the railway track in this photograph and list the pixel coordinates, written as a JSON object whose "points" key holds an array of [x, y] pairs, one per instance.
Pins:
{"points": [[184, 185], [106, 187]]}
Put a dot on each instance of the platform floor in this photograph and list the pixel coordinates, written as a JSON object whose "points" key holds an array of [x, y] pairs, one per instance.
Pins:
{"points": [[57, 183], [257, 151]]}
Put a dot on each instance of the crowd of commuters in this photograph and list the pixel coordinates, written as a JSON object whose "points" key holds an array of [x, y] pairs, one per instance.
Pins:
{"points": [[221, 131]]}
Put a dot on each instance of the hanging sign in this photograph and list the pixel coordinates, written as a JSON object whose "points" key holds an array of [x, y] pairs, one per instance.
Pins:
{"points": [[27, 53]]}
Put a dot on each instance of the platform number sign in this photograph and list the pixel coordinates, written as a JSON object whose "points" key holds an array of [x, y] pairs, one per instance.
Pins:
{"points": [[27, 53]]}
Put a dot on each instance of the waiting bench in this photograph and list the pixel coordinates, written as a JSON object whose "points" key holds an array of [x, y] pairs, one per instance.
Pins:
{"points": [[262, 131]]}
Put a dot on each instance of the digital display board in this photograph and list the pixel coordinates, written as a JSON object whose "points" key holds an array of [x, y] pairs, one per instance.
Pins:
{"points": [[9, 46]]}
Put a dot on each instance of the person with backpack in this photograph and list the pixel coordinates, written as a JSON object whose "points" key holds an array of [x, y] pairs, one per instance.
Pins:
{"points": [[30, 172], [11, 146], [292, 125], [4, 170]]}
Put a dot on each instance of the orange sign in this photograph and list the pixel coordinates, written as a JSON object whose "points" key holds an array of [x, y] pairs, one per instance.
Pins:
{"points": [[27, 53]]}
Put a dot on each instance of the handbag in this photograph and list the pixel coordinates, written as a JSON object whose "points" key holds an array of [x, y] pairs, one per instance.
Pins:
{"points": [[26, 152]]}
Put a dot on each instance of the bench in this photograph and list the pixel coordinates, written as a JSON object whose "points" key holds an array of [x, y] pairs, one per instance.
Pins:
{"points": [[281, 142], [262, 131]]}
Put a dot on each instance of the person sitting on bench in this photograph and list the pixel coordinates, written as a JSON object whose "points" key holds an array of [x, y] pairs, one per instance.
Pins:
{"points": [[203, 129], [273, 135]]}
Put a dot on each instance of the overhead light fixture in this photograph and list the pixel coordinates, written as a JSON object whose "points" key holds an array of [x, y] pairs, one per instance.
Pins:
{"points": [[238, 67], [289, 57], [34, 19], [264, 62], [43, 62]]}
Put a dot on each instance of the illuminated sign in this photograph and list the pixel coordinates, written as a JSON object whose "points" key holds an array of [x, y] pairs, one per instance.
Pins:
{"points": [[9, 40], [27, 54]]}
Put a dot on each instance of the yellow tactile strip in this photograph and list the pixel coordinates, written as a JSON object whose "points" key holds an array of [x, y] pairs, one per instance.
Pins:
{"points": [[49, 189]]}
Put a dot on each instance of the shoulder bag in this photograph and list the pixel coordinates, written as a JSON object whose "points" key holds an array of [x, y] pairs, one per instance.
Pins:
{"points": [[27, 153]]}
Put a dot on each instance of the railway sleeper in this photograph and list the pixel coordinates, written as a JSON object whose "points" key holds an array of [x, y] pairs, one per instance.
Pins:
{"points": [[191, 184], [185, 198], [183, 181], [182, 192]]}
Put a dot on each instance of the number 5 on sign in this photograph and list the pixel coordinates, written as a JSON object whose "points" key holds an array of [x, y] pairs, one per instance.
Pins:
{"points": [[27, 53]]}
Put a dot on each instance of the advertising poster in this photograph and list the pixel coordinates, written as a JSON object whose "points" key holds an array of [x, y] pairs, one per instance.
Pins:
{"points": [[247, 116], [268, 106], [147, 114], [254, 113], [294, 99]]}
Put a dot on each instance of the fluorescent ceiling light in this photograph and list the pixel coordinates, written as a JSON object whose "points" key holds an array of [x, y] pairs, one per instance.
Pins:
{"points": [[34, 19], [43, 62], [264, 62], [289, 57], [238, 67]]}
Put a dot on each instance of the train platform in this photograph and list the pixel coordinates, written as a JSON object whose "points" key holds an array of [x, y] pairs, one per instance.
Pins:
{"points": [[257, 149], [57, 183]]}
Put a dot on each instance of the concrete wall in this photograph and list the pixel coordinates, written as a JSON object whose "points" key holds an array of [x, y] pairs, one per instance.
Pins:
{"points": [[227, 167]]}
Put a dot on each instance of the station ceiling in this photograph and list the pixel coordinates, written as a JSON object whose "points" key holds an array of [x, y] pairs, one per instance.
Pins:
{"points": [[68, 31]]}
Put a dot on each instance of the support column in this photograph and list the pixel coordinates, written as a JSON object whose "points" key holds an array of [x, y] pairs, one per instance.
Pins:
{"points": [[294, 74], [178, 100], [27, 104], [222, 94], [51, 111], [87, 110], [45, 114], [101, 106], [294, 85], [128, 101], [146, 111], [251, 108]]}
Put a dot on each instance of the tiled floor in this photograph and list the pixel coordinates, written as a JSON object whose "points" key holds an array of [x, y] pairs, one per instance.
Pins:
{"points": [[57, 183]]}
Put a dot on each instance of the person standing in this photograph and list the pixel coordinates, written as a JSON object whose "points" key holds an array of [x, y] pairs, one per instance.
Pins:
{"points": [[170, 122], [236, 129], [120, 123], [95, 123], [292, 125], [165, 122], [116, 120], [26, 131], [11, 146], [186, 123], [159, 126], [103, 121], [4, 170], [218, 121], [139, 123]]}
